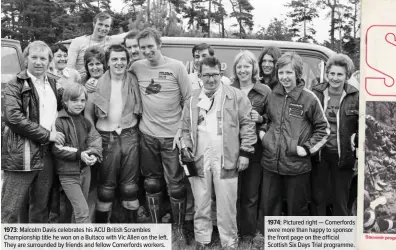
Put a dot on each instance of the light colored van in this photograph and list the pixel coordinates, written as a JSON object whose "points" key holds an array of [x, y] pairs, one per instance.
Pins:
{"points": [[314, 56]]}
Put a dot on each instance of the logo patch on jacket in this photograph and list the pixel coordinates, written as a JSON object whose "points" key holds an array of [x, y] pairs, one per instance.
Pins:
{"points": [[153, 88], [296, 110]]}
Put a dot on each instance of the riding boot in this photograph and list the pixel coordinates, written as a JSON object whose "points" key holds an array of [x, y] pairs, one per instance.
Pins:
{"points": [[154, 202], [131, 216], [101, 217], [178, 212]]}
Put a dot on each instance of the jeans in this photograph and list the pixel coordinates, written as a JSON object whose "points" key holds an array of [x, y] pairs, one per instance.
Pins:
{"points": [[159, 160], [340, 179], [34, 184], [249, 191], [76, 188]]}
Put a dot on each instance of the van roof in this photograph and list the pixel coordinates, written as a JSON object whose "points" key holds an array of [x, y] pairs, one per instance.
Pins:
{"points": [[247, 43], [243, 43], [9, 41]]}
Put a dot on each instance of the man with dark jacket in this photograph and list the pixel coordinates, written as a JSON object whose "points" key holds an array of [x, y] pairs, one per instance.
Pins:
{"points": [[31, 104]]}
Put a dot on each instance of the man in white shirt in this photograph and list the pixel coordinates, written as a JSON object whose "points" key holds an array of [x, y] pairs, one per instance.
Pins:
{"points": [[31, 103]]}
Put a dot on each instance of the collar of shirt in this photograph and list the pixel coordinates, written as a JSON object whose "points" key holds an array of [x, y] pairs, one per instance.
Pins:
{"points": [[36, 81], [65, 72]]}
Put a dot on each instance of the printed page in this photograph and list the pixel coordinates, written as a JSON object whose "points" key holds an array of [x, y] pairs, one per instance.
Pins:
{"points": [[376, 220]]}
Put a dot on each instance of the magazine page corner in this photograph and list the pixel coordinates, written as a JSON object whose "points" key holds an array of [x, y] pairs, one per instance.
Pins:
{"points": [[376, 217]]}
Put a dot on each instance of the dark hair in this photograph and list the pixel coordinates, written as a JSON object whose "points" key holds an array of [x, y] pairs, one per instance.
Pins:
{"points": [[211, 62], [130, 35], [94, 52], [149, 32], [58, 46], [202, 46], [103, 16], [116, 48], [275, 53]]}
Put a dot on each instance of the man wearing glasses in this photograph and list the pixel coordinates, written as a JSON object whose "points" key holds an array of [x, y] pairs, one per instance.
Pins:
{"points": [[218, 131]]}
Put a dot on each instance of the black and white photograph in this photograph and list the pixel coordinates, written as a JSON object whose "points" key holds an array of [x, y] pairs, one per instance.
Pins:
{"points": [[380, 168], [207, 115]]}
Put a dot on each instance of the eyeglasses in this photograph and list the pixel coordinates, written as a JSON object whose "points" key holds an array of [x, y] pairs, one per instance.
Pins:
{"points": [[208, 76]]}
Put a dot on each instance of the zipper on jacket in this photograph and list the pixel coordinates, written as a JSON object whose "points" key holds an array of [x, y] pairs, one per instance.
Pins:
{"points": [[78, 144], [280, 132]]}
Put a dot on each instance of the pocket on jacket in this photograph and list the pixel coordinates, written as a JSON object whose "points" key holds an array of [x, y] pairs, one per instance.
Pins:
{"points": [[231, 116], [292, 147]]}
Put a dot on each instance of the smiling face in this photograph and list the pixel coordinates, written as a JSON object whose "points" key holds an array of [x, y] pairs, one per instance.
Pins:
{"points": [[150, 49], [102, 27], [287, 77], [37, 61], [267, 64], [337, 76], [60, 59], [76, 105], [95, 68], [118, 62], [244, 71], [199, 56]]}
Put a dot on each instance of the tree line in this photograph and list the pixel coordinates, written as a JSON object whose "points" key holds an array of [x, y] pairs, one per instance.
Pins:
{"points": [[56, 20]]}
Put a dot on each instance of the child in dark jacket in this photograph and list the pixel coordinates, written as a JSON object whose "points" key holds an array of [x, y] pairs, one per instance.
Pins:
{"points": [[82, 149]]}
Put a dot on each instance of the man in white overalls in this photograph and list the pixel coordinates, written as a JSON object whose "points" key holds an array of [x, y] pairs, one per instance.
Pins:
{"points": [[218, 129]]}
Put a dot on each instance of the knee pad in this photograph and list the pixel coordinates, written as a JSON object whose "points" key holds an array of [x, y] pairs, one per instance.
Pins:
{"points": [[177, 192], [129, 192], [106, 194], [153, 186]]}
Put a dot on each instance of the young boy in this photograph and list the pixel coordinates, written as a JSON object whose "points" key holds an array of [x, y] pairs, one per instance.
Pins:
{"points": [[82, 149]]}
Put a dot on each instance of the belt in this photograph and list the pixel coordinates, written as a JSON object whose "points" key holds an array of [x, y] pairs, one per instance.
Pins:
{"points": [[125, 130]]}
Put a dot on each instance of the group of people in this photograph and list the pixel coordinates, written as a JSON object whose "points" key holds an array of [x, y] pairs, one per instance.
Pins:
{"points": [[255, 139]]}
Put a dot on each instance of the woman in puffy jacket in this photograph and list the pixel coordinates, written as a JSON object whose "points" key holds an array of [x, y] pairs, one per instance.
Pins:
{"points": [[296, 129], [340, 101]]}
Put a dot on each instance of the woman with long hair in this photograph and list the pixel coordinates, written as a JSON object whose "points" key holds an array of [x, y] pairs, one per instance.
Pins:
{"points": [[267, 61]]}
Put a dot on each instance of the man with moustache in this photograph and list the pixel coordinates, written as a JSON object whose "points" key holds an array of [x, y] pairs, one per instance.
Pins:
{"points": [[31, 101], [132, 46], [164, 86], [116, 105], [101, 24]]}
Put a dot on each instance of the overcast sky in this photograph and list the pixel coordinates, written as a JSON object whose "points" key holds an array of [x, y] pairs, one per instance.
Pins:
{"points": [[264, 11]]}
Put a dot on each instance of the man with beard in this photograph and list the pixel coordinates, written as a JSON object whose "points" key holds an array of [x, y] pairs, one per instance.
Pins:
{"points": [[101, 24], [116, 105], [164, 86]]}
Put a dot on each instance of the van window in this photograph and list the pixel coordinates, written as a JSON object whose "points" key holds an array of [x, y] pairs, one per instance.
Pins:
{"points": [[9, 63], [313, 72]]}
